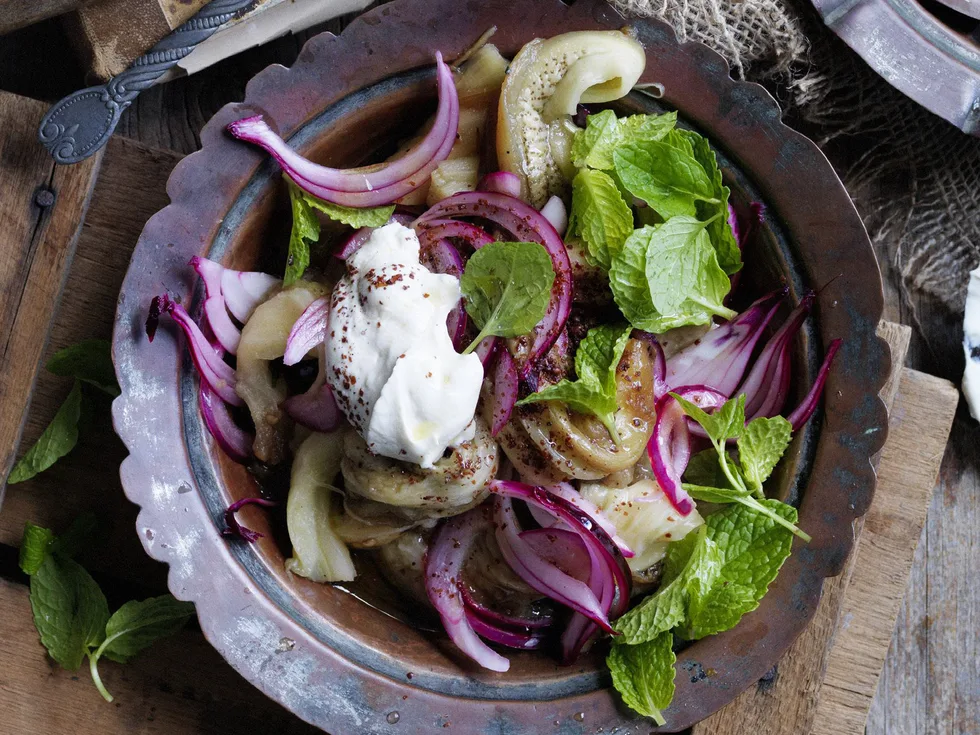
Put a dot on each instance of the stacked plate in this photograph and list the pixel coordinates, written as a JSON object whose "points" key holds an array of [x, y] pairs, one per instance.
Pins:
{"points": [[927, 49]]}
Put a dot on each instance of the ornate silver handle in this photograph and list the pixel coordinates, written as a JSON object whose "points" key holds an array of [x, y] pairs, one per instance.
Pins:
{"points": [[81, 123]]}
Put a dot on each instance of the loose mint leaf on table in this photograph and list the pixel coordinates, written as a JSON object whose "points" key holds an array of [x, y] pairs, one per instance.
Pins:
{"points": [[644, 675], [752, 547], [137, 625], [89, 361], [667, 276], [720, 232], [34, 547], [594, 390], [761, 446], [306, 226], [599, 216], [58, 439], [604, 133], [70, 611], [665, 174], [507, 287], [71, 614]]}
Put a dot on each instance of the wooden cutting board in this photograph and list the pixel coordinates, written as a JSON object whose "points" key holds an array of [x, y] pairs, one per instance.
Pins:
{"points": [[823, 685]]}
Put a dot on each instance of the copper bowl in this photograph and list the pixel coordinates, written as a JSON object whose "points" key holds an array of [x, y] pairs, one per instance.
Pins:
{"points": [[336, 661]]}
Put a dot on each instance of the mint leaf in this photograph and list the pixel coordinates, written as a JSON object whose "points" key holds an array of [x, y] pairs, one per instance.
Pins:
{"points": [[665, 174], [594, 392], [708, 494], [89, 361], [58, 439], [594, 146], [306, 226], [599, 216], [693, 559], [70, 611], [137, 625], [34, 547], [644, 675], [720, 232], [305, 230], [752, 548], [760, 448], [704, 470], [667, 276], [353, 216], [727, 422], [507, 286]]}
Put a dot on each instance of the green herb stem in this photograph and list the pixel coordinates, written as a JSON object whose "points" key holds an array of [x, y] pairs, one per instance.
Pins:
{"points": [[93, 667]]}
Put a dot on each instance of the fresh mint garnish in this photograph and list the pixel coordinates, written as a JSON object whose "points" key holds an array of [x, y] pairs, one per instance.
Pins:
{"points": [[58, 438], [71, 613], [306, 226], [599, 215], [665, 174], [668, 276], [604, 133], [643, 674], [507, 287], [594, 391], [90, 361]]}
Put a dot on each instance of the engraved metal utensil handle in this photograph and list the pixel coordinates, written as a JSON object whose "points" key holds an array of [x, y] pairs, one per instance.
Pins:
{"points": [[81, 123]]}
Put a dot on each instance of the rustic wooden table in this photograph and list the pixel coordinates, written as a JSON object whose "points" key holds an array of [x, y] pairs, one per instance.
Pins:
{"points": [[931, 680]]}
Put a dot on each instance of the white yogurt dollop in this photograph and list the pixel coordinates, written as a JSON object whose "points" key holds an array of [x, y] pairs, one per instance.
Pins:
{"points": [[390, 361], [971, 345]]}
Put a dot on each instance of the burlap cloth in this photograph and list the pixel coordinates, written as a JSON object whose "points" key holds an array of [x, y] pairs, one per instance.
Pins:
{"points": [[914, 178]]}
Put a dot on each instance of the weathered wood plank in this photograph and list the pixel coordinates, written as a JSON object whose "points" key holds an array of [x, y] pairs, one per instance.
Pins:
{"points": [[16, 14], [918, 427], [180, 686], [131, 187], [43, 208]]}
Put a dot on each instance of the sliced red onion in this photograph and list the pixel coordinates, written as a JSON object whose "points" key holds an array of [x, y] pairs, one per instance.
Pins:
{"points": [[767, 384], [219, 376], [316, 409], [521, 640], [502, 620], [608, 565], [237, 530], [368, 186], [308, 332], [443, 257], [561, 547], [244, 290], [233, 440], [669, 445], [505, 386], [443, 576], [361, 236], [540, 574], [573, 496], [432, 231], [225, 331], [804, 411], [719, 359], [706, 399], [501, 182], [486, 350], [528, 225], [554, 211]]}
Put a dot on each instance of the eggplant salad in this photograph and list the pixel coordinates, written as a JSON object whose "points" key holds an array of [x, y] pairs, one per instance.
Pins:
{"points": [[521, 385]]}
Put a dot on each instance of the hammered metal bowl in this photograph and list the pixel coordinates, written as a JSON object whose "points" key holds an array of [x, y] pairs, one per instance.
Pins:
{"points": [[325, 654]]}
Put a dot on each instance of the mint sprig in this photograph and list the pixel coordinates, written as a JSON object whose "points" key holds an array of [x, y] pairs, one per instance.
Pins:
{"points": [[306, 226], [507, 287], [71, 613], [594, 390]]}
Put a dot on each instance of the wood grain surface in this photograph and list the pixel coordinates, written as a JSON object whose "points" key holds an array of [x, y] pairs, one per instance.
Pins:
{"points": [[42, 210], [16, 14]]}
